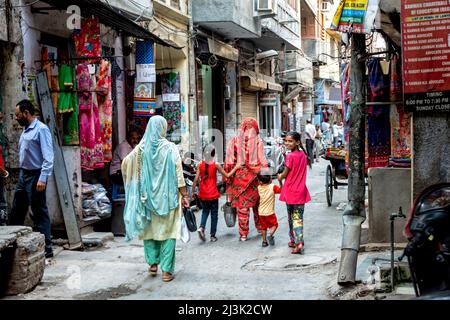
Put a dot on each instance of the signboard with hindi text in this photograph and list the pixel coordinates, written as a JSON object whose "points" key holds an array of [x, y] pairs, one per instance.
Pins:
{"points": [[426, 55]]}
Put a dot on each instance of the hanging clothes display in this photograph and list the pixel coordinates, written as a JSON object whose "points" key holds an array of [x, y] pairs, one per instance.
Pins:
{"points": [[52, 74], [104, 99], [378, 84], [378, 117], [144, 92], [90, 129], [396, 92], [170, 87], [87, 39], [67, 101], [400, 133]]}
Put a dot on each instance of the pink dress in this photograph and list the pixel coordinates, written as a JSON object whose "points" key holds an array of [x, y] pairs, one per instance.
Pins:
{"points": [[90, 129], [294, 189]]}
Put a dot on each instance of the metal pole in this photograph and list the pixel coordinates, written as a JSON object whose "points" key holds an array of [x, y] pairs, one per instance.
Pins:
{"points": [[192, 109], [354, 214], [392, 253]]}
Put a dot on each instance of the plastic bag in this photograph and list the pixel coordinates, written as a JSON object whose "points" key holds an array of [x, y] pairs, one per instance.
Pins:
{"points": [[185, 234]]}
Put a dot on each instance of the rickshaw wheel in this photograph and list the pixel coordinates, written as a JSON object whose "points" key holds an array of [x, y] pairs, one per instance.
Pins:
{"points": [[329, 185]]}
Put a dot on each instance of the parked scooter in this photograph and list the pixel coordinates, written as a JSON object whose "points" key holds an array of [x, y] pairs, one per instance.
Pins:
{"points": [[189, 170], [275, 152], [428, 249]]}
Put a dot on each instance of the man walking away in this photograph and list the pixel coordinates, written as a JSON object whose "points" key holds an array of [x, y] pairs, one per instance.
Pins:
{"points": [[326, 131], [36, 165], [310, 132], [335, 135]]}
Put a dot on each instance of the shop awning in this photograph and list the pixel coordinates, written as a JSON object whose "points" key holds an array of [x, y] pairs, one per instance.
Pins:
{"points": [[293, 94], [272, 86], [111, 16], [223, 50]]}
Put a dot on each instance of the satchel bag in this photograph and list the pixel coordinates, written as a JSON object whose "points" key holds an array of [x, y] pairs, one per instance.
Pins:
{"points": [[191, 221]]}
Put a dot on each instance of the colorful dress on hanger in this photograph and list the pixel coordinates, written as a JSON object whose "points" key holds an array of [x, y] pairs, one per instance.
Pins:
{"points": [[53, 80], [67, 100], [68, 105], [104, 98], [87, 39], [90, 129]]}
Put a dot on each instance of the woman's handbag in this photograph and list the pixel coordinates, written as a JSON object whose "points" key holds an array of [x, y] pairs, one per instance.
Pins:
{"points": [[191, 221], [229, 214]]}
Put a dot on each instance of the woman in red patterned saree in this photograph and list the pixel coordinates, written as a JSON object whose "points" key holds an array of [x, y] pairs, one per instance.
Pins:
{"points": [[246, 148]]}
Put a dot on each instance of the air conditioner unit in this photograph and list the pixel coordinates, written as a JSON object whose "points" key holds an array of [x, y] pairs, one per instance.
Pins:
{"points": [[266, 8], [265, 5]]}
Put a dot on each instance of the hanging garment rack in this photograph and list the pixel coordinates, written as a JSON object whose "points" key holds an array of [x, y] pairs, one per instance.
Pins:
{"points": [[79, 59]]}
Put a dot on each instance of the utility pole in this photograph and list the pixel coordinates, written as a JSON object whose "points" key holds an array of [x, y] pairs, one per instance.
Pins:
{"points": [[354, 214], [193, 123]]}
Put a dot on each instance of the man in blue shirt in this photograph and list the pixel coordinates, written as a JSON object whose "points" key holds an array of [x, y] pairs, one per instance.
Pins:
{"points": [[36, 165]]}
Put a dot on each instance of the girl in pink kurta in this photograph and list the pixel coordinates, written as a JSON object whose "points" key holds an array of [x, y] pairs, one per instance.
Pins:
{"points": [[294, 192]]}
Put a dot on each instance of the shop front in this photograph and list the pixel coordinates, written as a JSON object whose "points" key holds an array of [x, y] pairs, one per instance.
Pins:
{"points": [[86, 72], [216, 90]]}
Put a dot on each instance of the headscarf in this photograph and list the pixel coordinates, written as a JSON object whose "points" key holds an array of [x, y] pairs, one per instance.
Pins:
{"points": [[246, 148], [150, 178]]}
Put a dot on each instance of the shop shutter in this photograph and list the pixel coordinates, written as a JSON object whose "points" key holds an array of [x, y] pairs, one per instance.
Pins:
{"points": [[249, 105]]}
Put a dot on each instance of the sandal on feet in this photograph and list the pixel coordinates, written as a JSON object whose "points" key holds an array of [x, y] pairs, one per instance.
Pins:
{"points": [[153, 270], [243, 239], [201, 234], [167, 277], [265, 244], [299, 249], [213, 239]]}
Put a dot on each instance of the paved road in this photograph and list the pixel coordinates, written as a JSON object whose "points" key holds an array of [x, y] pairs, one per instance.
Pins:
{"points": [[227, 269]]}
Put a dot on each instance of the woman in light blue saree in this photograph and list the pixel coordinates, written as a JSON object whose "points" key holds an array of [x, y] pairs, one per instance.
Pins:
{"points": [[155, 195]]}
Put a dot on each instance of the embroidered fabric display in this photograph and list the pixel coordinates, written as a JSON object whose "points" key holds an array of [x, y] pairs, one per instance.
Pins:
{"points": [[379, 136], [144, 99], [144, 104], [87, 39], [104, 99], [378, 117], [400, 133], [90, 129], [170, 87]]}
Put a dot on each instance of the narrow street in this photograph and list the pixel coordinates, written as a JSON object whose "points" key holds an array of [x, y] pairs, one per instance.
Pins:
{"points": [[227, 269]]}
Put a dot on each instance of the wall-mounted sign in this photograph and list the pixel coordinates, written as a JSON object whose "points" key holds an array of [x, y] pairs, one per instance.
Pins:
{"points": [[171, 97], [426, 55], [145, 73]]}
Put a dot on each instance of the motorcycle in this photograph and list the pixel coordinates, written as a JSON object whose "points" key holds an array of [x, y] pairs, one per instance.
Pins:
{"points": [[275, 152], [428, 233]]}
